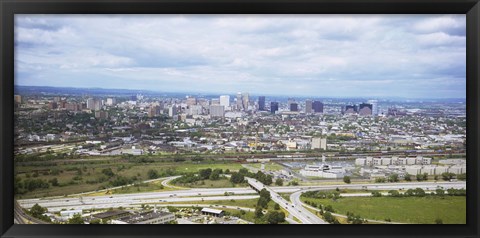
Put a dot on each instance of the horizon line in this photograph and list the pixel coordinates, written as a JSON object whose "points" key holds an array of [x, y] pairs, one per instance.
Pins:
{"points": [[254, 94]]}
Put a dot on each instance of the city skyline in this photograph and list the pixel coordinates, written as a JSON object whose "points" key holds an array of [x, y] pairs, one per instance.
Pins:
{"points": [[329, 56]]}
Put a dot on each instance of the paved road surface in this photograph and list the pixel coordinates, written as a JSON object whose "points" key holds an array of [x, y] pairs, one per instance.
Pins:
{"points": [[302, 214]]}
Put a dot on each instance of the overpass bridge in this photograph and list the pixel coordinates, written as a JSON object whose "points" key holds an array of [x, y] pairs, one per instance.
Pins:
{"points": [[302, 214]]}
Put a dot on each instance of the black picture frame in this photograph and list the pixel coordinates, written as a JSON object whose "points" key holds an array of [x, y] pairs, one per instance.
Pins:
{"points": [[8, 8]]}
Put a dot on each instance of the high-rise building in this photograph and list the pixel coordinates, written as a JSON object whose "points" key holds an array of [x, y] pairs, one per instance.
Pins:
{"points": [[261, 103], [91, 104], [308, 106], [215, 101], [152, 111], [111, 101], [317, 107], [172, 111], [225, 100], [191, 101], [195, 110], [217, 111], [319, 143], [374, 106], [239, 101], [365, 109], [293, 107], [245, 101], [273, 107], [350, 109], [97, 105]]}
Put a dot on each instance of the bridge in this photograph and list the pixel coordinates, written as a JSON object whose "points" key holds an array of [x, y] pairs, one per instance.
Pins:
{"points": [[299, 212]]}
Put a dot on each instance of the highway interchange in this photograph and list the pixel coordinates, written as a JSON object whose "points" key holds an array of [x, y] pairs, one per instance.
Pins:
{"points": [[188, 197]]}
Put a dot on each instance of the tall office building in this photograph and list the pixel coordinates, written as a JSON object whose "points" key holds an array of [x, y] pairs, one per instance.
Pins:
{"points": [[172, 111], [191, 101], [215, 101], [217, 111], [365, 109], [225, 100], [293, 107], [317, 107], [374, 106], [91, 103], [245, 101], [111, 101], [261, 103], [273, 107], [349, 109], [308, 106], [97, 105], [239, 102]]}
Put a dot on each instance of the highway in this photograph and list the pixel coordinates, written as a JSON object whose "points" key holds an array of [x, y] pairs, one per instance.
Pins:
{"points": [[302, 214], [197, 194]]}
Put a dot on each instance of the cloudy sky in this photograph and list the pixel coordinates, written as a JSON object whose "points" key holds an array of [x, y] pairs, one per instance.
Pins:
{"points": [[413, 56]]}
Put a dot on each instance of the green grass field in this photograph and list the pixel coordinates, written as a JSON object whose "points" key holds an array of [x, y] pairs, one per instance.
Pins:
{"points": [[207, 183], [268, 166], [72, 181], [416, 210]]}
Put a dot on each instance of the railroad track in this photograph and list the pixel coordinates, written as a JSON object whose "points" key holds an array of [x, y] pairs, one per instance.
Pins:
{"points": [[21, 217]]}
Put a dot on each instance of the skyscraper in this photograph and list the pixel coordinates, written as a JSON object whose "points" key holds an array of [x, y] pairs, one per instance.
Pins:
{"points": [[365, 109], [261, 103], [91, 103], [225, 100], [217, 111], [191, 101], [172, 111], [308, 106], [245, 100], [317, 106], [374, 106], [239, 101], [350, 109], [273, 107], [293, 107]]}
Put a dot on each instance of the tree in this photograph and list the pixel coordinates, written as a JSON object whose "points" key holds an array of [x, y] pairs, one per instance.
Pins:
{"points": [[279, 182], [152, 174], [376, 194], [237, 178], [76, 219], [346, 179], [393, 178], [37, 210], [258, 212], [108, 172], [215, 175], [438, 221], [276, 206], [419, 192], [440, 192], [54, 181], [205, 173], [462, 177], [408, 177], [419, 177], [275, 217], [447, 176], [394, 193]]}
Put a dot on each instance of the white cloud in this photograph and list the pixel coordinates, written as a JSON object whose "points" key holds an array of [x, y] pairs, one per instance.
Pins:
{"points": [[276, 54]]}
